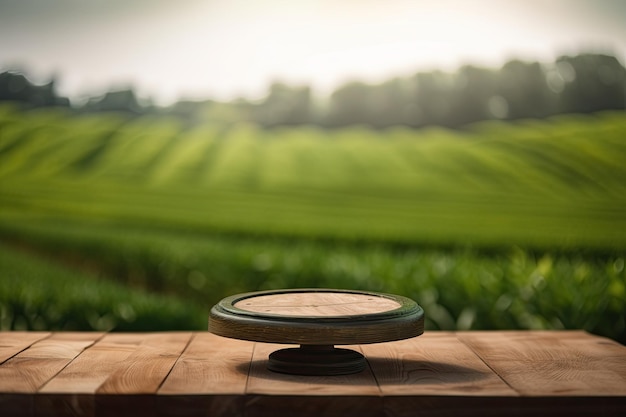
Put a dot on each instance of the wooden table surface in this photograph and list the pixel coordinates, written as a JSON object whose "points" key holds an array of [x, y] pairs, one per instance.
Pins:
{"points": [[200, 374]]}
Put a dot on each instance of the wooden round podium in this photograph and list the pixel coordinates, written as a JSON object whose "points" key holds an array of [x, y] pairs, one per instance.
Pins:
{"points": [[317, 320]]}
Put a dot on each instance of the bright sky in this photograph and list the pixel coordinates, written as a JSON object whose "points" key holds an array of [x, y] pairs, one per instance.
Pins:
{"points": [[224, 49]]}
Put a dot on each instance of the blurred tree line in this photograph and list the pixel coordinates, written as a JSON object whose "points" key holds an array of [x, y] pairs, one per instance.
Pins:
{"points": [[572, 84], [16, 87]]}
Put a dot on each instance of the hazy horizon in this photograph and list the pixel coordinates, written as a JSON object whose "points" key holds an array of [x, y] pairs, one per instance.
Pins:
{"points": [[197, 49]]}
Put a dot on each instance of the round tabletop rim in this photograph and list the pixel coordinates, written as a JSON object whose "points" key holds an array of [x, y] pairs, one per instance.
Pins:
{"points": [[406, 306]]}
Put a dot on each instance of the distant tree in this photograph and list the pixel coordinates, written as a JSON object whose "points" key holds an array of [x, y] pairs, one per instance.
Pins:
{"points": [[472, 91], [387, 104], [16, 87], [591, 83], [351, 103], [285, 105], [433, 98], [524, 90], [578, 84], [585, 83], [120, 100], [392, 103]]}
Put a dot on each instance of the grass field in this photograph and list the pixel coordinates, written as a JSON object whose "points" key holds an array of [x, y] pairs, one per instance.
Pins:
{"points": [[502, 225], [40, 295]]}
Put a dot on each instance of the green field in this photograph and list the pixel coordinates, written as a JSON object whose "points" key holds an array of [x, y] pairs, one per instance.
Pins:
{"points": [[501, 225]]}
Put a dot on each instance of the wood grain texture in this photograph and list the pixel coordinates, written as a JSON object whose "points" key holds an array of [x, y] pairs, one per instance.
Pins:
{"points": [[12, 343], [72, 391], [210, 365], [206, 381], [433, 364], [263, 381], [272, 394], [438, 374], [143, 371], [567, 363], [321, 304], [316, 317], [131, 389], [23, 374], [29, 370], [94, 366], [316, 333]]}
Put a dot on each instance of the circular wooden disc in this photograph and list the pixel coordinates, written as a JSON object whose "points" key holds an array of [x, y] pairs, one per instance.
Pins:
{"points": [[317, 304], [317, 317]]}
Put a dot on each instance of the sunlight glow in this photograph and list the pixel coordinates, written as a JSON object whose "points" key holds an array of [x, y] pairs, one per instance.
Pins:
{"points": [[225, 49]]}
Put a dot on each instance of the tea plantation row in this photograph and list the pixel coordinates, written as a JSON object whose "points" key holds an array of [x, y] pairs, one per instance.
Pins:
{"points": [[514, 225]]}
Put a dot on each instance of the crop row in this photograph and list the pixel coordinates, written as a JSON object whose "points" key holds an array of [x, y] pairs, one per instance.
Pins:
{"points": [[459, 289], [558, 183]]}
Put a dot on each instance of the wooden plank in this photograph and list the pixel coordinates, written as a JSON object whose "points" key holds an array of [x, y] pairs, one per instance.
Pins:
{"points": [[12, 343], [92, 368], [23, 374], [438, 373], [413, 374], [432, 364], [553, 363], [271, 394], [71, 392], [210, 365], [144, 370], [477, 406], [209, 378], [263, 381], [130, 389], [27, 371]]}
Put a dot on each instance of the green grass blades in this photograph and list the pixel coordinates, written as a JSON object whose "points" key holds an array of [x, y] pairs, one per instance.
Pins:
{"points": [[39, 295], [501, 225], [558, 183], [512, 288]]}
